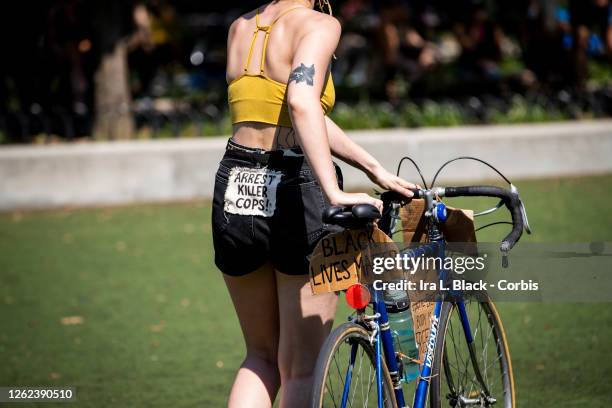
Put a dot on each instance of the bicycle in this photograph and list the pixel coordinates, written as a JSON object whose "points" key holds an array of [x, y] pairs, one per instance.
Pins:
{"points": [[456, 369]]}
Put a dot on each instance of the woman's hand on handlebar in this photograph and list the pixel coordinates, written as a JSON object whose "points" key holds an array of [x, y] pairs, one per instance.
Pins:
{"points": [[389, 181], [340, 198]]}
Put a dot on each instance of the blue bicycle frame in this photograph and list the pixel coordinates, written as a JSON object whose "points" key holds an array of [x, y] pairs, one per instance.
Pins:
{"points": [[384, 342], [378, 324]]}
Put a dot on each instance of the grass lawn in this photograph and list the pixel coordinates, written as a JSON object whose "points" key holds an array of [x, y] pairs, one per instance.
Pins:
{"points": [[126, 305]]}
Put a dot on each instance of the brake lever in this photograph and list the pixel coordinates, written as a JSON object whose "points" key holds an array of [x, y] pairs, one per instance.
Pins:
{"points": [[505, 251], [526, 225]]}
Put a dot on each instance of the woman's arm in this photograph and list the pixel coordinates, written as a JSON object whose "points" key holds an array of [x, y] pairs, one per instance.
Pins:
{"points": [[314, 50], [350, 152]]}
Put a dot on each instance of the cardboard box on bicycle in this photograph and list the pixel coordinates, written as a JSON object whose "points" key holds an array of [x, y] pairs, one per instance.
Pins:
{"points": [[344, 258]]}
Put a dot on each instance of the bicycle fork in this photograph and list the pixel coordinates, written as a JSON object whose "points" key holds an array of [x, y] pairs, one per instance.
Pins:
{"points": [[486, 395]]}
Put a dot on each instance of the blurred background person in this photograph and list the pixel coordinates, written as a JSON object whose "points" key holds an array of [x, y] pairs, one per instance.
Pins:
{"points": [[591, 33], [155, 68], [405, 52], [480, 39]]}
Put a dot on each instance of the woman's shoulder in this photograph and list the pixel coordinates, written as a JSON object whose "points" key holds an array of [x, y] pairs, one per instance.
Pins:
{"points": [[308, 18], [319, 21], [312, 21], [241, 21], [309, 21]]}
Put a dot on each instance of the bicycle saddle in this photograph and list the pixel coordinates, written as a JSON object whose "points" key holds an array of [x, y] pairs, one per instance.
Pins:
{"points": [[357, 216]]}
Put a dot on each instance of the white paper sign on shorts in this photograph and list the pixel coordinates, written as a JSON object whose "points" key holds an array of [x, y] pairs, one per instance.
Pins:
{"points": [[252, 191]]}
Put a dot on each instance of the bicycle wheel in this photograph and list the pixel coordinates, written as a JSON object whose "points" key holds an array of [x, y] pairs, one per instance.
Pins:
{"points": [[349, 341], [455, 380]]}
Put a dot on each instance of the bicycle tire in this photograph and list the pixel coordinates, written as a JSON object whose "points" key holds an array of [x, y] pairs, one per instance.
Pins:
{"points": [[444, 353], [323, 395]]}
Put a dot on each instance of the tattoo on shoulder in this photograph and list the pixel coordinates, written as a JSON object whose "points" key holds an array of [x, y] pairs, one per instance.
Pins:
{"points": [[303, 74]]}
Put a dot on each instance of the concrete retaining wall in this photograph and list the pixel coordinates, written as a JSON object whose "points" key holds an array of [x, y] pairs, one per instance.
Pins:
{"points": [[126, 172]]}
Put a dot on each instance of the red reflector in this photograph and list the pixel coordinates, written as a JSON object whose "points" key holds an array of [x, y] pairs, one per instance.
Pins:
{"points": [[357, 296]]}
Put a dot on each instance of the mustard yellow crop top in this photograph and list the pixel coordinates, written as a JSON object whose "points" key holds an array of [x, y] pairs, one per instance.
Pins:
{"points": [[258, 98]]}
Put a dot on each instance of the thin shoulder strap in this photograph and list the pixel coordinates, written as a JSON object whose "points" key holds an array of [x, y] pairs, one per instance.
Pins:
{"points": [[248, 60], [267, 29]]}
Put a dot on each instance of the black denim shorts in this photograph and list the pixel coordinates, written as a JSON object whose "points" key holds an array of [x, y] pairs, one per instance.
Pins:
{"points": [[288, 235]]}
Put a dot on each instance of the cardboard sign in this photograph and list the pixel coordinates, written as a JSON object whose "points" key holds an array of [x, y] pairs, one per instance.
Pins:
{"points": [[421, 318], [413, 222], [413, 231], [459, 227], [252, 191], [421, 309], [344, 258]]}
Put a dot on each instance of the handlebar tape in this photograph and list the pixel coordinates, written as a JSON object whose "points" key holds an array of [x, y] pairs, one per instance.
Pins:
{"points": [[511, 201], [391, 196]]}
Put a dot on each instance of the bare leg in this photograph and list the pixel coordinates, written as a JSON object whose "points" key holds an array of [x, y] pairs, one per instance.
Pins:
{"points": [[256, 303], [305, 322]]}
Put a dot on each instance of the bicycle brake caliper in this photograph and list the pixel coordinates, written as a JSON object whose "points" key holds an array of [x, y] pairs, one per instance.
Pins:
{"points": [[372, 324]]}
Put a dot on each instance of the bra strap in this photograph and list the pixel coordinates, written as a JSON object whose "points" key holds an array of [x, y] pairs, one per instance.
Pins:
{"points": [[246, 64], [262, 63], [267, 30]]}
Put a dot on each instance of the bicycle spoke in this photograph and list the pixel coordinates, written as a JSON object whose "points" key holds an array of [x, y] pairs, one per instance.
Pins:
{"points": [[340, 376], [367, 399], [357, 380], [360, 387], [461, 378], [363, 398], [330, 389]]}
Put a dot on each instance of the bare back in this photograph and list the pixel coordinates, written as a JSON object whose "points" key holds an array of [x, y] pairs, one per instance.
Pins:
{"points": [[282, 41]]}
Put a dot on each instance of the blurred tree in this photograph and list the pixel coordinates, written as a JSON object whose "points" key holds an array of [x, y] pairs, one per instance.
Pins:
{"points": [[112, 23]]}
